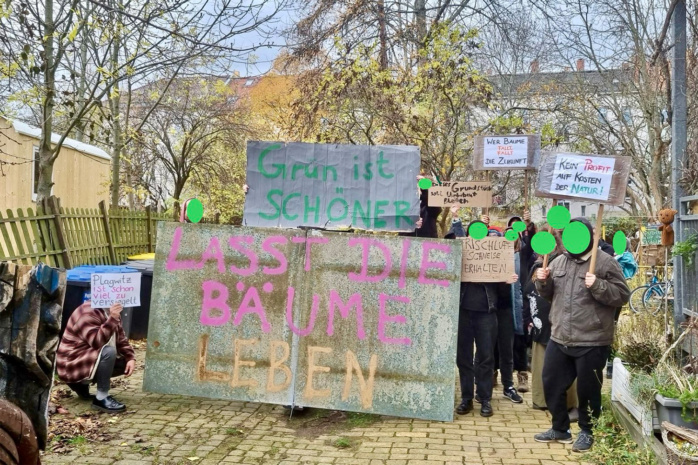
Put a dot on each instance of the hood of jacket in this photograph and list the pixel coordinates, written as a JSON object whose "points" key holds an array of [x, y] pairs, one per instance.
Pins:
{"points": [[585, 222]]}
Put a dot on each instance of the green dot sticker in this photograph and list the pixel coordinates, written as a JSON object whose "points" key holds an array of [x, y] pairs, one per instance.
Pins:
{"points": [[477, 230], [543, 243], [558, 217], [511, 235], [425, 183], [195, 210], [518, 226], [620, 242], [576, 237]]}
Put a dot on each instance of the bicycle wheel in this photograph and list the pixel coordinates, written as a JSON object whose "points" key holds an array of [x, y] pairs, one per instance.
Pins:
{"points": [[653, 298], [637, 304]]}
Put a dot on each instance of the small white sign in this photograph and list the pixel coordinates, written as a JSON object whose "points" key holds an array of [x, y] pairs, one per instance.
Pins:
{"points": [[505, 151], [582, 176], [110, 288]]}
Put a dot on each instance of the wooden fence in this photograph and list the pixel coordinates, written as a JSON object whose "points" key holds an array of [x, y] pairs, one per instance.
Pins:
{"points": [[68, 237]]}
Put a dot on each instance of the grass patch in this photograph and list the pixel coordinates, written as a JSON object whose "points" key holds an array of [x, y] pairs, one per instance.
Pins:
{"points": [[361, 420], [234, 432], [77, 441], [613, 445], [343, 443]]}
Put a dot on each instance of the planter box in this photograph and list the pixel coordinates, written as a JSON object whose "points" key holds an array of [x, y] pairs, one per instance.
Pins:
{"points": [[620, 392], [670, 410]]}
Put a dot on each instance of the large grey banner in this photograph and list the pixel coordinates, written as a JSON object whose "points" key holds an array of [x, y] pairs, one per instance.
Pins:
{"points": [[332, 186]]}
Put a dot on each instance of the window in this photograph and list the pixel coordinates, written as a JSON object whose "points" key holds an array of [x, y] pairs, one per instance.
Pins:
{"points": [[627, 115], [565, 204], [545, 211], [249, 82], [584, 210], [35, 172], [663, 116]]}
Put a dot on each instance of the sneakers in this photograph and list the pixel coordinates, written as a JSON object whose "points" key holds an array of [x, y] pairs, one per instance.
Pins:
{"points": [[511, 394], [486, 409], [82, 390], [108, 404], [523, 381], [584, 442], [465, 407], [554, 436]]}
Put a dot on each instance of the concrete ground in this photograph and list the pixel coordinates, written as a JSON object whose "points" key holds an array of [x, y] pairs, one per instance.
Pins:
{"points": [[167, 429]]}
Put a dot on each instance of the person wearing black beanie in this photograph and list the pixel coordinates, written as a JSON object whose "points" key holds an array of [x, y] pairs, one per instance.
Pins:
{"points": [[582, 329]]}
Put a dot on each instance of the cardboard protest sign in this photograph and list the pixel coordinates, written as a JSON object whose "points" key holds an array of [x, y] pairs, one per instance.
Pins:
{"points": [[295, 317], [651, 236], [506, 152], [332, 186], [603, 179], [110, 288], [461, 194], [487, 260]]}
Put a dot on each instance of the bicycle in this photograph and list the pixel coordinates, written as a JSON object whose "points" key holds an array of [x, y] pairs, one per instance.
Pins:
{"points": [[650, 297]]}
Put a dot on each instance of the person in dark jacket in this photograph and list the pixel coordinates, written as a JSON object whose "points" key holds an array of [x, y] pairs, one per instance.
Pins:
{"points": [[426, 225], [477, 323], [582, 330], [536, 315]]}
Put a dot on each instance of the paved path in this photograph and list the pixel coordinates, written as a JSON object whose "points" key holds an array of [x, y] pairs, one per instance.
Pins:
{"points": [[166, 429]]}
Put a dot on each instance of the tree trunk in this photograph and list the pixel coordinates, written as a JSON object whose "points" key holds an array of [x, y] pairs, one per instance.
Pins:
{"points": [[46, 155], [115, 106], [82, 87], [383, 35]]}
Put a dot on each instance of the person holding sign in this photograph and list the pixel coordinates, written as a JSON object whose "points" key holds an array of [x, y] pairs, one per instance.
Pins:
{"points": [[95, 349], [582, 330], [477, 324]]}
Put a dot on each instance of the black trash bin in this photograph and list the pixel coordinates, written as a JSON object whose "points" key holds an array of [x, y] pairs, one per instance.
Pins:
{"points": [[78, 292], [141, 315]]}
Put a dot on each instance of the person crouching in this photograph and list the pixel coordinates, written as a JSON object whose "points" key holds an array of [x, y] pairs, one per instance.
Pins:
{"points": [[95, 349]]}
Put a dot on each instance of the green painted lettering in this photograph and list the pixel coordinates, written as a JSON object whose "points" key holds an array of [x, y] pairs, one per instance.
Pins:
{"points": [[344, 214], [368, 175], [295, 169], [280, 168], [380, 164], [377, 211], [276, 206], [401, 207], [334, 173], [309, 209], [359, 212], [283, 206]]}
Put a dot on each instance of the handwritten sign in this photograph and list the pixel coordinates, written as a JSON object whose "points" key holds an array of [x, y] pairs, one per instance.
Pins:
{"points": [[318, 319], [461, 194], [487, 260], [580, 176], [506, 152], [651, 236], [332, 186], [110, 288]]}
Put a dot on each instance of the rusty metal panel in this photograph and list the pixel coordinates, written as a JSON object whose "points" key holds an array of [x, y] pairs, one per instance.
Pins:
{"points": [[191, 350], [413, 345], [397, 361]]}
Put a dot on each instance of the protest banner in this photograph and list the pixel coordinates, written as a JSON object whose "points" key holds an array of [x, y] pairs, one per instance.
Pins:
{"points": [[461, 194], [110, 288], [574, 176], [651, 235], [487, 260], [506, 152], [310, 318], [332, 186]]}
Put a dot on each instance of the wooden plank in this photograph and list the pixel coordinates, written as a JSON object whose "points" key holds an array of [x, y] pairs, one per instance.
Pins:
{"points": [[635, 430], [60, 231], [18, 237], [50, 234], [149, 228], [29, 242], [38, 240]]}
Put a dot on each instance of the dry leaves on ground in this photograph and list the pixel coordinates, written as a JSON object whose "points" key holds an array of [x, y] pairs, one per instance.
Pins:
{"points": [[67, 433]]}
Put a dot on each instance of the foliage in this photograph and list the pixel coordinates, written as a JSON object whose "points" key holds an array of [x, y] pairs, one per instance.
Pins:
{"points": [[686, 249], [620, 223], [673, 382], [640, 340], [613, 445]]}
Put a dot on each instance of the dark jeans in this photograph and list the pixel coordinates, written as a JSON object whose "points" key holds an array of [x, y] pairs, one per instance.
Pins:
{"points": [[109, 367], [520, 353], [562, 365], [480, 328], [505, 346]]}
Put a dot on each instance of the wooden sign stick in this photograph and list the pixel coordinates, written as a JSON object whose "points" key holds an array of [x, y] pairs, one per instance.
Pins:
{"points": [[597, 235], [527, 204], [550, 230]]}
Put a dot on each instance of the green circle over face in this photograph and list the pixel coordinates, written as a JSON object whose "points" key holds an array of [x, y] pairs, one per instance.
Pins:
{"points": [[511, 235], [477, 230], [195, 210], [558, 217], [518, 226], [543, 243], [576, 237], [425, 183], [620, 242]]}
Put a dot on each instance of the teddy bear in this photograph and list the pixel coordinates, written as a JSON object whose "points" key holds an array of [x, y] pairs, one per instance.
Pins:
{"points": [[666, 217]]}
